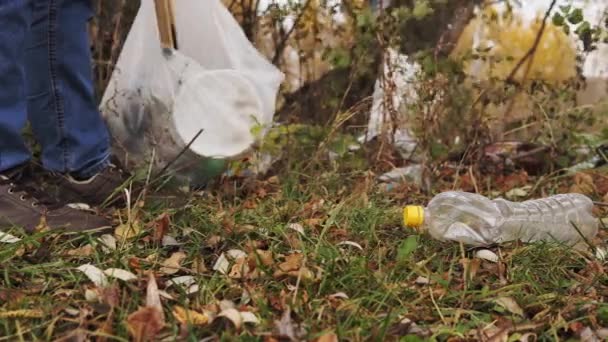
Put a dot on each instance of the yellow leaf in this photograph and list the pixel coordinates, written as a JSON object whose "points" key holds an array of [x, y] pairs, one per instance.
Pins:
{"points": [[22, 314], [127, 230], [173, 263], [190, 316]]}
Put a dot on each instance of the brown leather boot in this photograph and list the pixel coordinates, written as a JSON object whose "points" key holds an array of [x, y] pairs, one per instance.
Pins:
{"points": [[23, 205], [104, 188]]}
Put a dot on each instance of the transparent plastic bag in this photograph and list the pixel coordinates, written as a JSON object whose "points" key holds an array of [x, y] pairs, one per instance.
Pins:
{"points": [[216, 84]]}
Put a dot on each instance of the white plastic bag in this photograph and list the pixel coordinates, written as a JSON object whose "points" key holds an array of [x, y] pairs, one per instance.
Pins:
{"points": [[216, 81]]}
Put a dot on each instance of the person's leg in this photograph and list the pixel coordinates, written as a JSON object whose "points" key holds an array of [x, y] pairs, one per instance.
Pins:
{"points": [[22, 204], [62, 106], [61, 103], [14, 22]]}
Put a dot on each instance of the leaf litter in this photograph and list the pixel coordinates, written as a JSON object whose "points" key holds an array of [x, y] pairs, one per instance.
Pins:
{"points": [[339, 273]]}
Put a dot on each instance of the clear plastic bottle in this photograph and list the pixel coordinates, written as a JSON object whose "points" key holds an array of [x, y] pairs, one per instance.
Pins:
{"points": [[476, 220]]}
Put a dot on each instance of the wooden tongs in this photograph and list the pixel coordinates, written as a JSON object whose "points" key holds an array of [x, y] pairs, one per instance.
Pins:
{"points": [[166, 24]]}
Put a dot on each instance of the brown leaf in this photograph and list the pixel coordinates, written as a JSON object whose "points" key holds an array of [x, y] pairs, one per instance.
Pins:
{"points": [[9, 296], [213, 241], [250, 204], [198, 265], [110, 295], [86, 250], [264, 256], [173, 264], [293, 267], [106, 328], [292, 262], [328, 337], [583, 184], [161, 227], [240, 268], [145, 323]]}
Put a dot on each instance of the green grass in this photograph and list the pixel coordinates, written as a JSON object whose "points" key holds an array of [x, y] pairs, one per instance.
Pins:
{"points": [[360, 294]]}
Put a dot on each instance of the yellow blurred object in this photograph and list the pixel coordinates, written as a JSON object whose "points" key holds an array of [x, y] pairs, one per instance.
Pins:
{"points": [[502, 40], [413, 216]]}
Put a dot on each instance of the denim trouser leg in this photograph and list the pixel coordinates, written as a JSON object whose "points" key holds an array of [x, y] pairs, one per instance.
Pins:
{"points": [[14, 21], [45, 74], [60, 93]]}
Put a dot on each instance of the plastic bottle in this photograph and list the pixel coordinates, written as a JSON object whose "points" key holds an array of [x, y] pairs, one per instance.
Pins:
{"points": [[476, 220]]}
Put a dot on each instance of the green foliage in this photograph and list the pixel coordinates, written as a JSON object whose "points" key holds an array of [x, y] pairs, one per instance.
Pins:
{"points": [[588, 34], [406, 248]]}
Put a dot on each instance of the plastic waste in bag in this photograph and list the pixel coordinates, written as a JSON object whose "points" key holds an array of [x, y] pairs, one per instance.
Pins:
{"points": [[476, 220], [195, 107]]}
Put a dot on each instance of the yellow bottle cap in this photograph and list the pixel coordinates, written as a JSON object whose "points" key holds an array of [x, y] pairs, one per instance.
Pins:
{"points": [[413, 216]]}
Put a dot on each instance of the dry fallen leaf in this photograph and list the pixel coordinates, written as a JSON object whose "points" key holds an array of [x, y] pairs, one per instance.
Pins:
{"points": [[22, 314], [161, 227], [233, 315], [240, 268], [213, 241], [109, 295], [169, 240], [145, 323], [198, 265], [338, 295], [583, 184], [510, 304], [265, 257], [152, 295], [292, 262], [8, 238], [173, 264], [94, 274], [286, 328], [91, 295], [128, 230], [422, 280], [297, 227], [350, 243], [328, 337], [222, 264], [236, 253], [85, 250], [108, 243], [486, 254], [120, 274], [183, 280], [293, 267], [190, 316], [249, 317]]}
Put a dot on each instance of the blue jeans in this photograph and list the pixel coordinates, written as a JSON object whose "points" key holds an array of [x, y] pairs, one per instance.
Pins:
{"points": [[46, 77]]}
